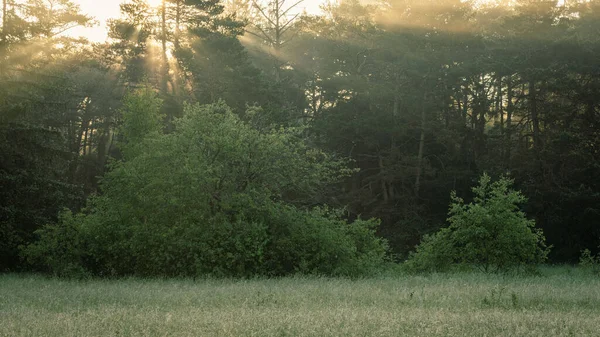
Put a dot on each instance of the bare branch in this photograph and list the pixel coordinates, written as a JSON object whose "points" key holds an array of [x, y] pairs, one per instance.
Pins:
{"points": [[283, 28], [263, 36], [292, 6], [263, 13]]}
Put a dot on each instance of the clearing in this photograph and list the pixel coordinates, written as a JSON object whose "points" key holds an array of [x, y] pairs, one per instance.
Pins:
{"points": [[562, 302]]}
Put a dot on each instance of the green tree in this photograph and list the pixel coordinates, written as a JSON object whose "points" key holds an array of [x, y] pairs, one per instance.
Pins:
{"points": [[490, 233], [140, 118], [215, 196], [175, 25]]}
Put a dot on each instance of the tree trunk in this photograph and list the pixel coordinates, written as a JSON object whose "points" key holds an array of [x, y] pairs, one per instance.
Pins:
{"points": [[482, 106], [421, 147], [177, 36], [165, 61], [3, 42], [174, 81], [465, 110], [85, 141], [84, 125], [396, 105], [509, 113], [384, 189], [277, 45], [4, 20], [4, 7], [537, 146], [276, 19], [499, 110]]}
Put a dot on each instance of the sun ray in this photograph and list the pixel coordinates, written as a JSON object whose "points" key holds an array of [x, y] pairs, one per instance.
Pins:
{"points": [[154, 3]]}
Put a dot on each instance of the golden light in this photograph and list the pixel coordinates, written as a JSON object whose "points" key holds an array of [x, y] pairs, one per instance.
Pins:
{"points": [[154, 3], [106, 9]]}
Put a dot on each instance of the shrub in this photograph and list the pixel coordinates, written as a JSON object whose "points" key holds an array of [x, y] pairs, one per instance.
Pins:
{"points": [[318, 241], [435, 253], [189, 244], [589, 261], [214, 197], [490, 233], [59, 249]]}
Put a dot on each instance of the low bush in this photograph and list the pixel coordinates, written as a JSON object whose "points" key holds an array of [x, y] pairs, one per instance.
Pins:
{"points": [[589, 261], [318, 241], [59, 249]]}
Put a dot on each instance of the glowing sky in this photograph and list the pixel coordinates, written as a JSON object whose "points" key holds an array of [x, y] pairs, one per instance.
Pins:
{"points": [[102, 10]]}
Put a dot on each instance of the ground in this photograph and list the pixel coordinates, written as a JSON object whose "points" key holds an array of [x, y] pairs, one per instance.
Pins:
{"points": [[560, 302]]}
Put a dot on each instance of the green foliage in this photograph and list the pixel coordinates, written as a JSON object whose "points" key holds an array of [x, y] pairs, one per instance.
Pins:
{"points": [[589, 261], [141, 118], [183, 247], [418, 113], [34, 185], [217, 197], [319, 242], [59, 249], [490, 233], [435, 253], [44, 108]]}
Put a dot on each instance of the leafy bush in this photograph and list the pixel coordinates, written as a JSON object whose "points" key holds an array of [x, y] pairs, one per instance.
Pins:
{"points": [[319, 242], [216, 197], [490, 233], [435, 253], [589, 261], [188, 248], [59, 249]]}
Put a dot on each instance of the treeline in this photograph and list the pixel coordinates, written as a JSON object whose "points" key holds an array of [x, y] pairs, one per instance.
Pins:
{"points": [[386, 107]]}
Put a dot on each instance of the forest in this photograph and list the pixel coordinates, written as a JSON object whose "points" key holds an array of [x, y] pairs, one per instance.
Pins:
{"points": [[240, 138]]}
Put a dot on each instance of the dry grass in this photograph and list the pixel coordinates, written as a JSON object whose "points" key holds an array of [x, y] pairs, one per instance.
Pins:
{"points": [[563, 302]]}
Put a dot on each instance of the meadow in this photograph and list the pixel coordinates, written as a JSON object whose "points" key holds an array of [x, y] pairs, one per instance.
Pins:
{"points": [[562, 301]]}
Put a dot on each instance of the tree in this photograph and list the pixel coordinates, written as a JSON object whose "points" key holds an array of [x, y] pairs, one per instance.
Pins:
{"points": [[274, 26], [175, 24], [490, 233], [132, 35], [215, 196]]}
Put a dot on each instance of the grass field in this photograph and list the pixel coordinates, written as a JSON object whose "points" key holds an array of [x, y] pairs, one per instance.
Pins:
{"points": [[561, 302]]}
